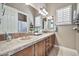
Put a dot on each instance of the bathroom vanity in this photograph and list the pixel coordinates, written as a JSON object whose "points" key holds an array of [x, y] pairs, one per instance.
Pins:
{"points": [[34, 46]]}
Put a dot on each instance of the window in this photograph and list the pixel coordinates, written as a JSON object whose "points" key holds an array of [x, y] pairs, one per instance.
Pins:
{"points": [[64, 15]]}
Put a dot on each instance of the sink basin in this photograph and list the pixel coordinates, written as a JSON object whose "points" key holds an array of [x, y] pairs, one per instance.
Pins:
{"points": [[37, 34], [26, 38]]}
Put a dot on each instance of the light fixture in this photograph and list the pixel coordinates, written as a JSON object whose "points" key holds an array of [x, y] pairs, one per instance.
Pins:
{"points": [[27, 3], [43, 11], [50, 17]]}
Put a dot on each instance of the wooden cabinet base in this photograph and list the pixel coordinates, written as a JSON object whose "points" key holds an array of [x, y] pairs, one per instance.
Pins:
{"points": [[25, 52], [41, 48]]}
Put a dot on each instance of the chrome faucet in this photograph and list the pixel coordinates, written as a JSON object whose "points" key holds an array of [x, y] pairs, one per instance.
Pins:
{"points": [[8, 36]]}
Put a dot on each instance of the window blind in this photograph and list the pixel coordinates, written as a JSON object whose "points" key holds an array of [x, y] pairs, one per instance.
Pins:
{"points": [[64, 15]]}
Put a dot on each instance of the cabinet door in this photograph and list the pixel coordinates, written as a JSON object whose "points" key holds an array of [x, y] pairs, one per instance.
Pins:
{"points": [[29, 51], [49, 43], [52, 40], [40, 48], [47, 46]]}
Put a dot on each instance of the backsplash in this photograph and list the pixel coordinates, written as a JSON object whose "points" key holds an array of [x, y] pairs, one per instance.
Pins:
{"points": [[14, 35], [2, 37]]}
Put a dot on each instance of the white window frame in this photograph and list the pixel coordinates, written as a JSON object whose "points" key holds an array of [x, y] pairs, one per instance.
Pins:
{"points": [[64, 20]]}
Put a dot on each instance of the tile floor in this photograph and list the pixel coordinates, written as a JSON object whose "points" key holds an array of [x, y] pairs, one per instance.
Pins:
{"points": [[63, 51]]}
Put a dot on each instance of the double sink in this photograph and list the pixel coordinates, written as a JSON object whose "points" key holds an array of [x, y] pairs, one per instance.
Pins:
{"points": [[14, 45]]}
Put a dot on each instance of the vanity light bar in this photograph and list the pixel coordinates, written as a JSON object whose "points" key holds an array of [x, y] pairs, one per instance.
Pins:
{"points": [[50, 17], [43, 12]]}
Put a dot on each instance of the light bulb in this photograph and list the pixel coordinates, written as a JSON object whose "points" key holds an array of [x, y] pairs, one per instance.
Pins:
{"points": [[42, 13], [27, 3], [45, 11]]}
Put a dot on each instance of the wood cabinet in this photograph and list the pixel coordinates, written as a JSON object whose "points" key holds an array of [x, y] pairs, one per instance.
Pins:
{"points": [[40, 48], [43, 47], [52, 40], [29, 51], [49, 43]]}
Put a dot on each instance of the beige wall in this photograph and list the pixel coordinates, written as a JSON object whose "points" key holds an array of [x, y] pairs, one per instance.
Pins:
{"points": [[67, 36], [20, 6], [77, 41], [37, 6], [77, 33]]}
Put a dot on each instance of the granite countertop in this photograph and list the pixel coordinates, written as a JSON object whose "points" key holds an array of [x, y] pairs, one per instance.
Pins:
{"points": [[10, 47]]}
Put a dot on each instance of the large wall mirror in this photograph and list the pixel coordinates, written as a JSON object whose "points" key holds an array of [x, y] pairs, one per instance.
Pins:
{"points": [[12, 20], [38, 23]]}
